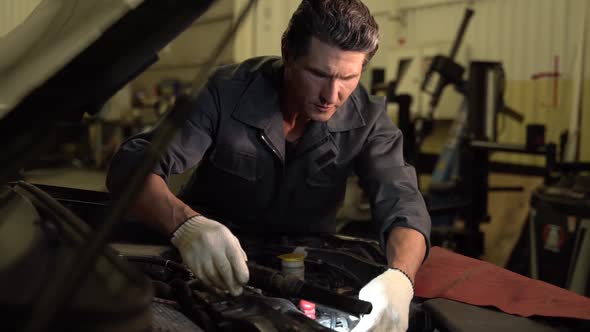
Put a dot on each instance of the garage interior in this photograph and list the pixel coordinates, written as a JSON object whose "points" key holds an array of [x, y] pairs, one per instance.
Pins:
{"points": [[532, 136]]}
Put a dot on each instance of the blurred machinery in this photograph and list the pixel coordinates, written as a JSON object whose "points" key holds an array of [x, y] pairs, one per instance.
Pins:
{"points": [[559, 229], [459, 186]]}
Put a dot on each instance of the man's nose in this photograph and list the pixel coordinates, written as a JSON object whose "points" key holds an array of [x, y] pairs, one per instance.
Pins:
{"points": [[329, 92]]}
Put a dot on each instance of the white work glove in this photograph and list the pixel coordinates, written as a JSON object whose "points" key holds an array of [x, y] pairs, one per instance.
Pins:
{"points": [[390, 294], [213, 253]]}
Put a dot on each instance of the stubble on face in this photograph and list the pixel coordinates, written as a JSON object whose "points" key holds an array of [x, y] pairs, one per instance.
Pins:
{"points": [[321, 81]]}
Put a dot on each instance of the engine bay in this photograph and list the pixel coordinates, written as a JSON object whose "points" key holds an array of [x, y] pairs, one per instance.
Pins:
{"points": [[139, 285], [322, 298]]}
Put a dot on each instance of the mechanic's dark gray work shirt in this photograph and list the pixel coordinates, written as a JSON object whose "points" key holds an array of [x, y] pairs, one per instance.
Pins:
{"points": [[236, 134]]}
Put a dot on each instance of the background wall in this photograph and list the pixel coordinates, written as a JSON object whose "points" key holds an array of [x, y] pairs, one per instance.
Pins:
{"points": [[184, 57], [13, 12]]}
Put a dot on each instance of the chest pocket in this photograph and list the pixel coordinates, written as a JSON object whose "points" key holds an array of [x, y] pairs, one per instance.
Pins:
{"points": [[320, 192], [325, 177], [238, 163], [322, 171]]}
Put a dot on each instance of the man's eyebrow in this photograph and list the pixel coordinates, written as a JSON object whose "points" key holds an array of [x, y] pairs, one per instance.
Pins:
{"points": [[322, 73], [349, 76], [318, 72]]}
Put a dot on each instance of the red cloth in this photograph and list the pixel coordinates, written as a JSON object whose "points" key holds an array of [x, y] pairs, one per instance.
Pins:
{"points": [[449, 275]]}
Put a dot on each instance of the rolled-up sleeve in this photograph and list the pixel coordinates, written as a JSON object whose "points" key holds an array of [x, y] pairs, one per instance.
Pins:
{"points": [[390, 183], [186, 149]]}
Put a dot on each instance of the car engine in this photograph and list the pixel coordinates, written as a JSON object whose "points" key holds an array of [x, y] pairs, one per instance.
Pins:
{"points": [[138, 285]]}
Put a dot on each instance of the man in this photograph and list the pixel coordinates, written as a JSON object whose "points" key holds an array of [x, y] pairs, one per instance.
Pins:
{"points": [[276, 140]]}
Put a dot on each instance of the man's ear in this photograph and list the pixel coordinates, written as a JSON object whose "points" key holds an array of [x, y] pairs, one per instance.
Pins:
{"points": [[287, 57]]}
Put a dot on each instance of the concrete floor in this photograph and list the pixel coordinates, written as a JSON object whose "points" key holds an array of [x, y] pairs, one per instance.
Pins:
{"points": [[508, 214], [508, 210]]}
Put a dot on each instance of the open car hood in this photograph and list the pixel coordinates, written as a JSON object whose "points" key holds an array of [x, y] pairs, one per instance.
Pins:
{"points": [[70, 56]]}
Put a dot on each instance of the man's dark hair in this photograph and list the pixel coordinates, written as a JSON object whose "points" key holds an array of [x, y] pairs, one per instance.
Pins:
{"points": [[346, 24]]}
